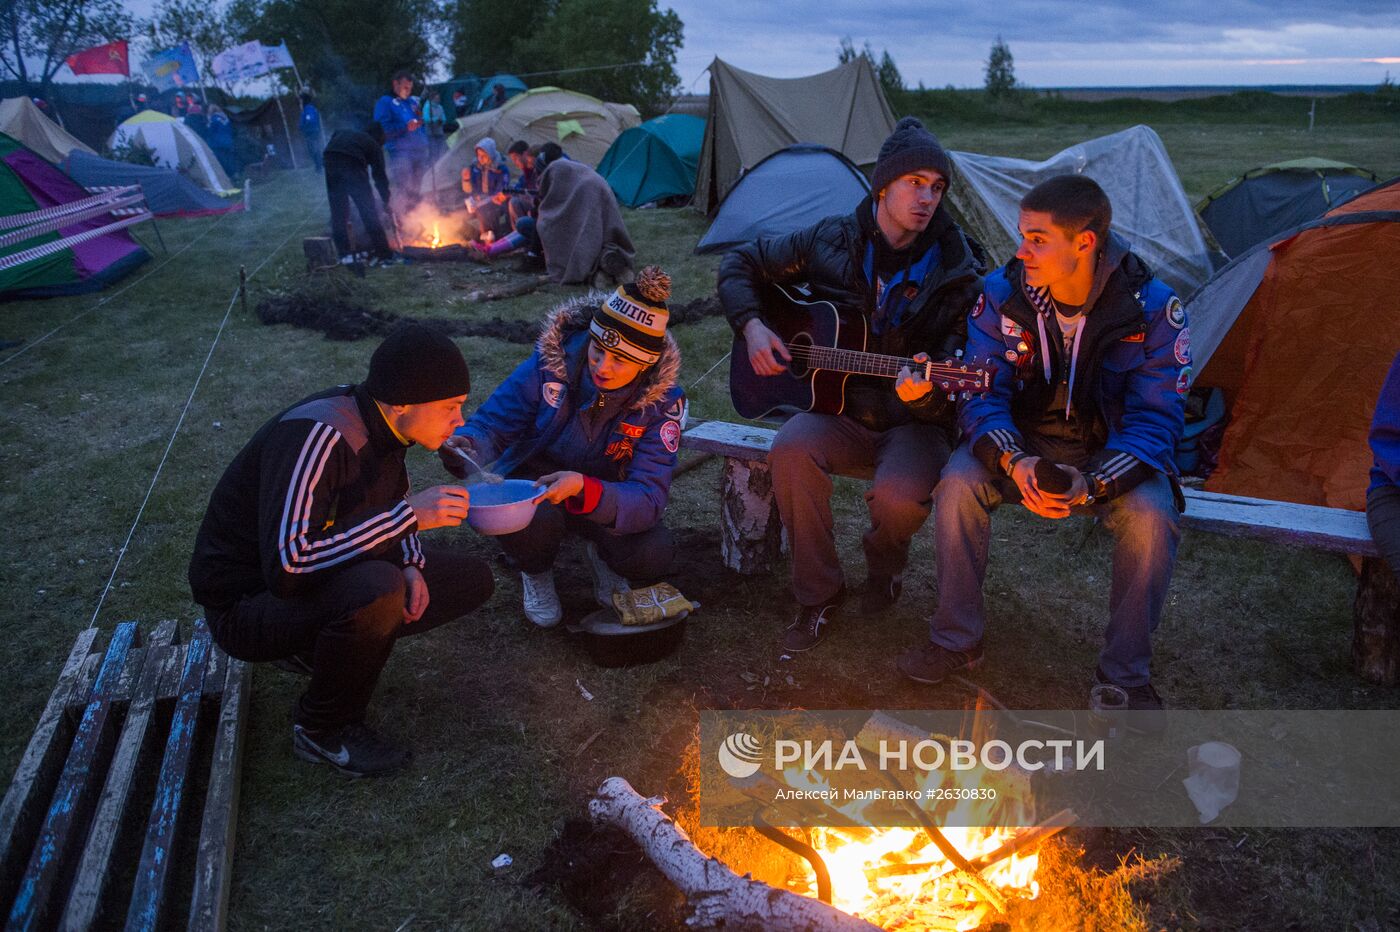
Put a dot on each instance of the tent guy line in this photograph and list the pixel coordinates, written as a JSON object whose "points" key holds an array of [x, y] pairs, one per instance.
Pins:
{"points": [[233, 300], [113, 296]]}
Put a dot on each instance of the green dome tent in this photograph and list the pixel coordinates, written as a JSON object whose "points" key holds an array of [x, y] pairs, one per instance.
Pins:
{"points": [[655, 160], [508, 82], [49, 244]]}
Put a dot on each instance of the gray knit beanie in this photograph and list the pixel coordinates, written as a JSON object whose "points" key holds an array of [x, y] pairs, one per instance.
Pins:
{"points": [[908, 149]]}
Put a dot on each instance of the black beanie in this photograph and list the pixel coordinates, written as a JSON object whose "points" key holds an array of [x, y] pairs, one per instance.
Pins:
{"points": [[416, 364], [908, 149]]}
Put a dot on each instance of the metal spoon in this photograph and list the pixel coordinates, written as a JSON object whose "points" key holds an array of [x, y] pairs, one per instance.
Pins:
{"points": [[484, 475]]}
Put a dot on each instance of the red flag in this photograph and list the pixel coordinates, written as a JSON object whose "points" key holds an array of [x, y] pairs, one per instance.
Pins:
{"points": [[100, 59]]}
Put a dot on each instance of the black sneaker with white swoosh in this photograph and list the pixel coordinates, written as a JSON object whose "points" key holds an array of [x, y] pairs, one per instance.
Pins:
{"points": [[354, 750]]}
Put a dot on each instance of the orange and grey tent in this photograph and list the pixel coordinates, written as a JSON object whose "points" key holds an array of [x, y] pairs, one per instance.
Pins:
{"points": [[1300, 331]]}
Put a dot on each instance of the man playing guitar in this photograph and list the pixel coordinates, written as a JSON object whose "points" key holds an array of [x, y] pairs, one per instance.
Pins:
{"points": [[901, 263]]}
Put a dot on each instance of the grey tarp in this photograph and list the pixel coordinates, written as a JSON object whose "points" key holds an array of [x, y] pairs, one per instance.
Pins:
{"points": [[1273, 198], [791, 189], [168, 193], [751, 116], [1150, 209]]}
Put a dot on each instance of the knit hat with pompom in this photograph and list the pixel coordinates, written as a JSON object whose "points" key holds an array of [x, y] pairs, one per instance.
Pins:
{"points": [[632, 321]]}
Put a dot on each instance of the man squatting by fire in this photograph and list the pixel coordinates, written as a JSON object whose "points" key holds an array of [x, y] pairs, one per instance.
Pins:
{"points": [[595, 414], [308, 555]]}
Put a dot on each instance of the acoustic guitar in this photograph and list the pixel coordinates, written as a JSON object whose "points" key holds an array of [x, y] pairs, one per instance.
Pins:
{"points": [[828, 346]]}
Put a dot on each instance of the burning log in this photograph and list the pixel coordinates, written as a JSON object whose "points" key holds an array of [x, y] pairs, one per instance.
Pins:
{"points": [[717, 895]]}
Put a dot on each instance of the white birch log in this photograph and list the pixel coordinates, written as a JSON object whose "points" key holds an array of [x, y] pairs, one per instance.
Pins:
{"points": [[717, 896], [751, 534]]}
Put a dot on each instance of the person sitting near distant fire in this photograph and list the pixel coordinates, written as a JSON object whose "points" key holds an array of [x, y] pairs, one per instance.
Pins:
{"points": [[351, 158], [308, 555], [900, 261], [1091, 365], [525, 190], [484, 183], [1383, 496], [405, 140], [595, 416]]}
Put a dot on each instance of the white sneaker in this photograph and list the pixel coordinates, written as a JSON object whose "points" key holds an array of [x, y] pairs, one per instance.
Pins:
{"points": [[605, 581], [541, 601]]}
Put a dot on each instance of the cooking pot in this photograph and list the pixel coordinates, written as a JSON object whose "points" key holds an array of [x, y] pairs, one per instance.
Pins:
{"points": [[612, 644], [503, 507]]}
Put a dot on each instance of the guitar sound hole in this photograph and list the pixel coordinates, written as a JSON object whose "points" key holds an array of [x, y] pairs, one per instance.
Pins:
{"points": [[799, 346]]}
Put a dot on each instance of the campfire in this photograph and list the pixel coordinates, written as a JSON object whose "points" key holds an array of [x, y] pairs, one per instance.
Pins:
{"points": [[963, 865]]}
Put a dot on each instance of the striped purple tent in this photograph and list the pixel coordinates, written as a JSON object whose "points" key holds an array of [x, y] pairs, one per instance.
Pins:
{"points": [[55, 238]]}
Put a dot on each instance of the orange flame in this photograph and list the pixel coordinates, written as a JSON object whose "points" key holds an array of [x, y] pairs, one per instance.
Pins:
{"points": [[436, 241]]}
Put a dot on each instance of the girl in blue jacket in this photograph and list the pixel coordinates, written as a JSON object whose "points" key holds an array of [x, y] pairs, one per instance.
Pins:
{"points": [[594, 414]]}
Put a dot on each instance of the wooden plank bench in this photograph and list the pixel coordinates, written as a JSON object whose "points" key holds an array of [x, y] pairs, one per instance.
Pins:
{"points": [[106, 794], [751, 536]]}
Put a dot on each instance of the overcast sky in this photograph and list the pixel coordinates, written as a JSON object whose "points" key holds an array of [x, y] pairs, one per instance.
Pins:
{"points": [[1056, 43]]}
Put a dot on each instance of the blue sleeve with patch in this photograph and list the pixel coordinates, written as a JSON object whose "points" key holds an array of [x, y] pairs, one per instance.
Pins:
{"points": [[508, 414], [638, 501], [1385, 431], [1154, 403], [989, 415]]}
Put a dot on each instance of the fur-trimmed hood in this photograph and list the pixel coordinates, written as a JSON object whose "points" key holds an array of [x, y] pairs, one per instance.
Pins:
{"points": [[573, 316]]}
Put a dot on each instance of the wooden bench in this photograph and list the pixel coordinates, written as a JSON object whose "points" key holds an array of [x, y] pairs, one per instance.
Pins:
{"points": [[135, 758], [751, 535]]}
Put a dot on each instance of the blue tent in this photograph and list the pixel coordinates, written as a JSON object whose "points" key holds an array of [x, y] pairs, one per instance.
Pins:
{"points": [[168, 193], [510, 82], [790, 189]]}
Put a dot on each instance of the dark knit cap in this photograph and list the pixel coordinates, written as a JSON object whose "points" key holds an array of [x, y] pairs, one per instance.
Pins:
{"points": [[416, 364], [908, 149]]}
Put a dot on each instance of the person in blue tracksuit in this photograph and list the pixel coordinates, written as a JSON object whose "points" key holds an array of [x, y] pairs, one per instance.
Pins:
{"points": [[595, 415], [405, 139], [1091, 364], [311, 130]]}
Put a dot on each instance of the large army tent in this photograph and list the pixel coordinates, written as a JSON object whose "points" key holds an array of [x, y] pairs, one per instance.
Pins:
{"points": [[1273, 198], [26, 123], [751, 116], [655, 160], [1150, 209], [175, 146], [32, 192], [168, 193], [1300, 332], [792, 188], [583, 125], [276, 120]]}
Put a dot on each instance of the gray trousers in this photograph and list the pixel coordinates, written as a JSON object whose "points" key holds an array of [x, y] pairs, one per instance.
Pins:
{"points": [[904, 463]]}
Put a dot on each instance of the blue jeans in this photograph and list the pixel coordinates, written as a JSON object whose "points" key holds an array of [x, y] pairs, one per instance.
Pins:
{"points": [[1145, 527]]}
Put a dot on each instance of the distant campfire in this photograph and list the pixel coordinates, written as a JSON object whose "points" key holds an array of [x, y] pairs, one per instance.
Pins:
{"points": [[426, 233]]}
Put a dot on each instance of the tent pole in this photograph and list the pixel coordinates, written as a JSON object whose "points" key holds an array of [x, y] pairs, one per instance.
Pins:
{"points": [[291, 149]]}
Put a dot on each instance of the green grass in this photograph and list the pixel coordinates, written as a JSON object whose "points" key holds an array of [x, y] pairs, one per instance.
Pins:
{"points": [[492, 706]]}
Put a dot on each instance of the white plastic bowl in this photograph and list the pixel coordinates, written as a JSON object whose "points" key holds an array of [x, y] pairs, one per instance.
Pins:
{"points": [[503, 507]]}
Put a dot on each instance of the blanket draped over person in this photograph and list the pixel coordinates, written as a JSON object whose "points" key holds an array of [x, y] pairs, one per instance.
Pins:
{"points": [[580, 225]]}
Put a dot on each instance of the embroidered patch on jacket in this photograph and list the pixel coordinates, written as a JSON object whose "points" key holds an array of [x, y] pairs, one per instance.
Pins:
{"points": [[1176, 314], [1009, 328], [671, 435], [620, 450], [553, 393], [634, 431], [1183, 380], [1134, 338], [679, 411], [979, 307], [1182, 347]]}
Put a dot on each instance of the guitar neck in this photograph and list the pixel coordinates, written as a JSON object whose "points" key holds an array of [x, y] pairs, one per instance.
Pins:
{"points": [[858, 362]]}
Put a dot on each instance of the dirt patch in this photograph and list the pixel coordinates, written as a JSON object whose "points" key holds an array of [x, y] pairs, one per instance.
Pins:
{"points": [[596, 870], [341, 319]]}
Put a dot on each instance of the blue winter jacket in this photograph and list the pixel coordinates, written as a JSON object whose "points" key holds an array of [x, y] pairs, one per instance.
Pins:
{"points": [[1130, 375], [1385, 431], [394, 114], [626, 458], [486, 181]]}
